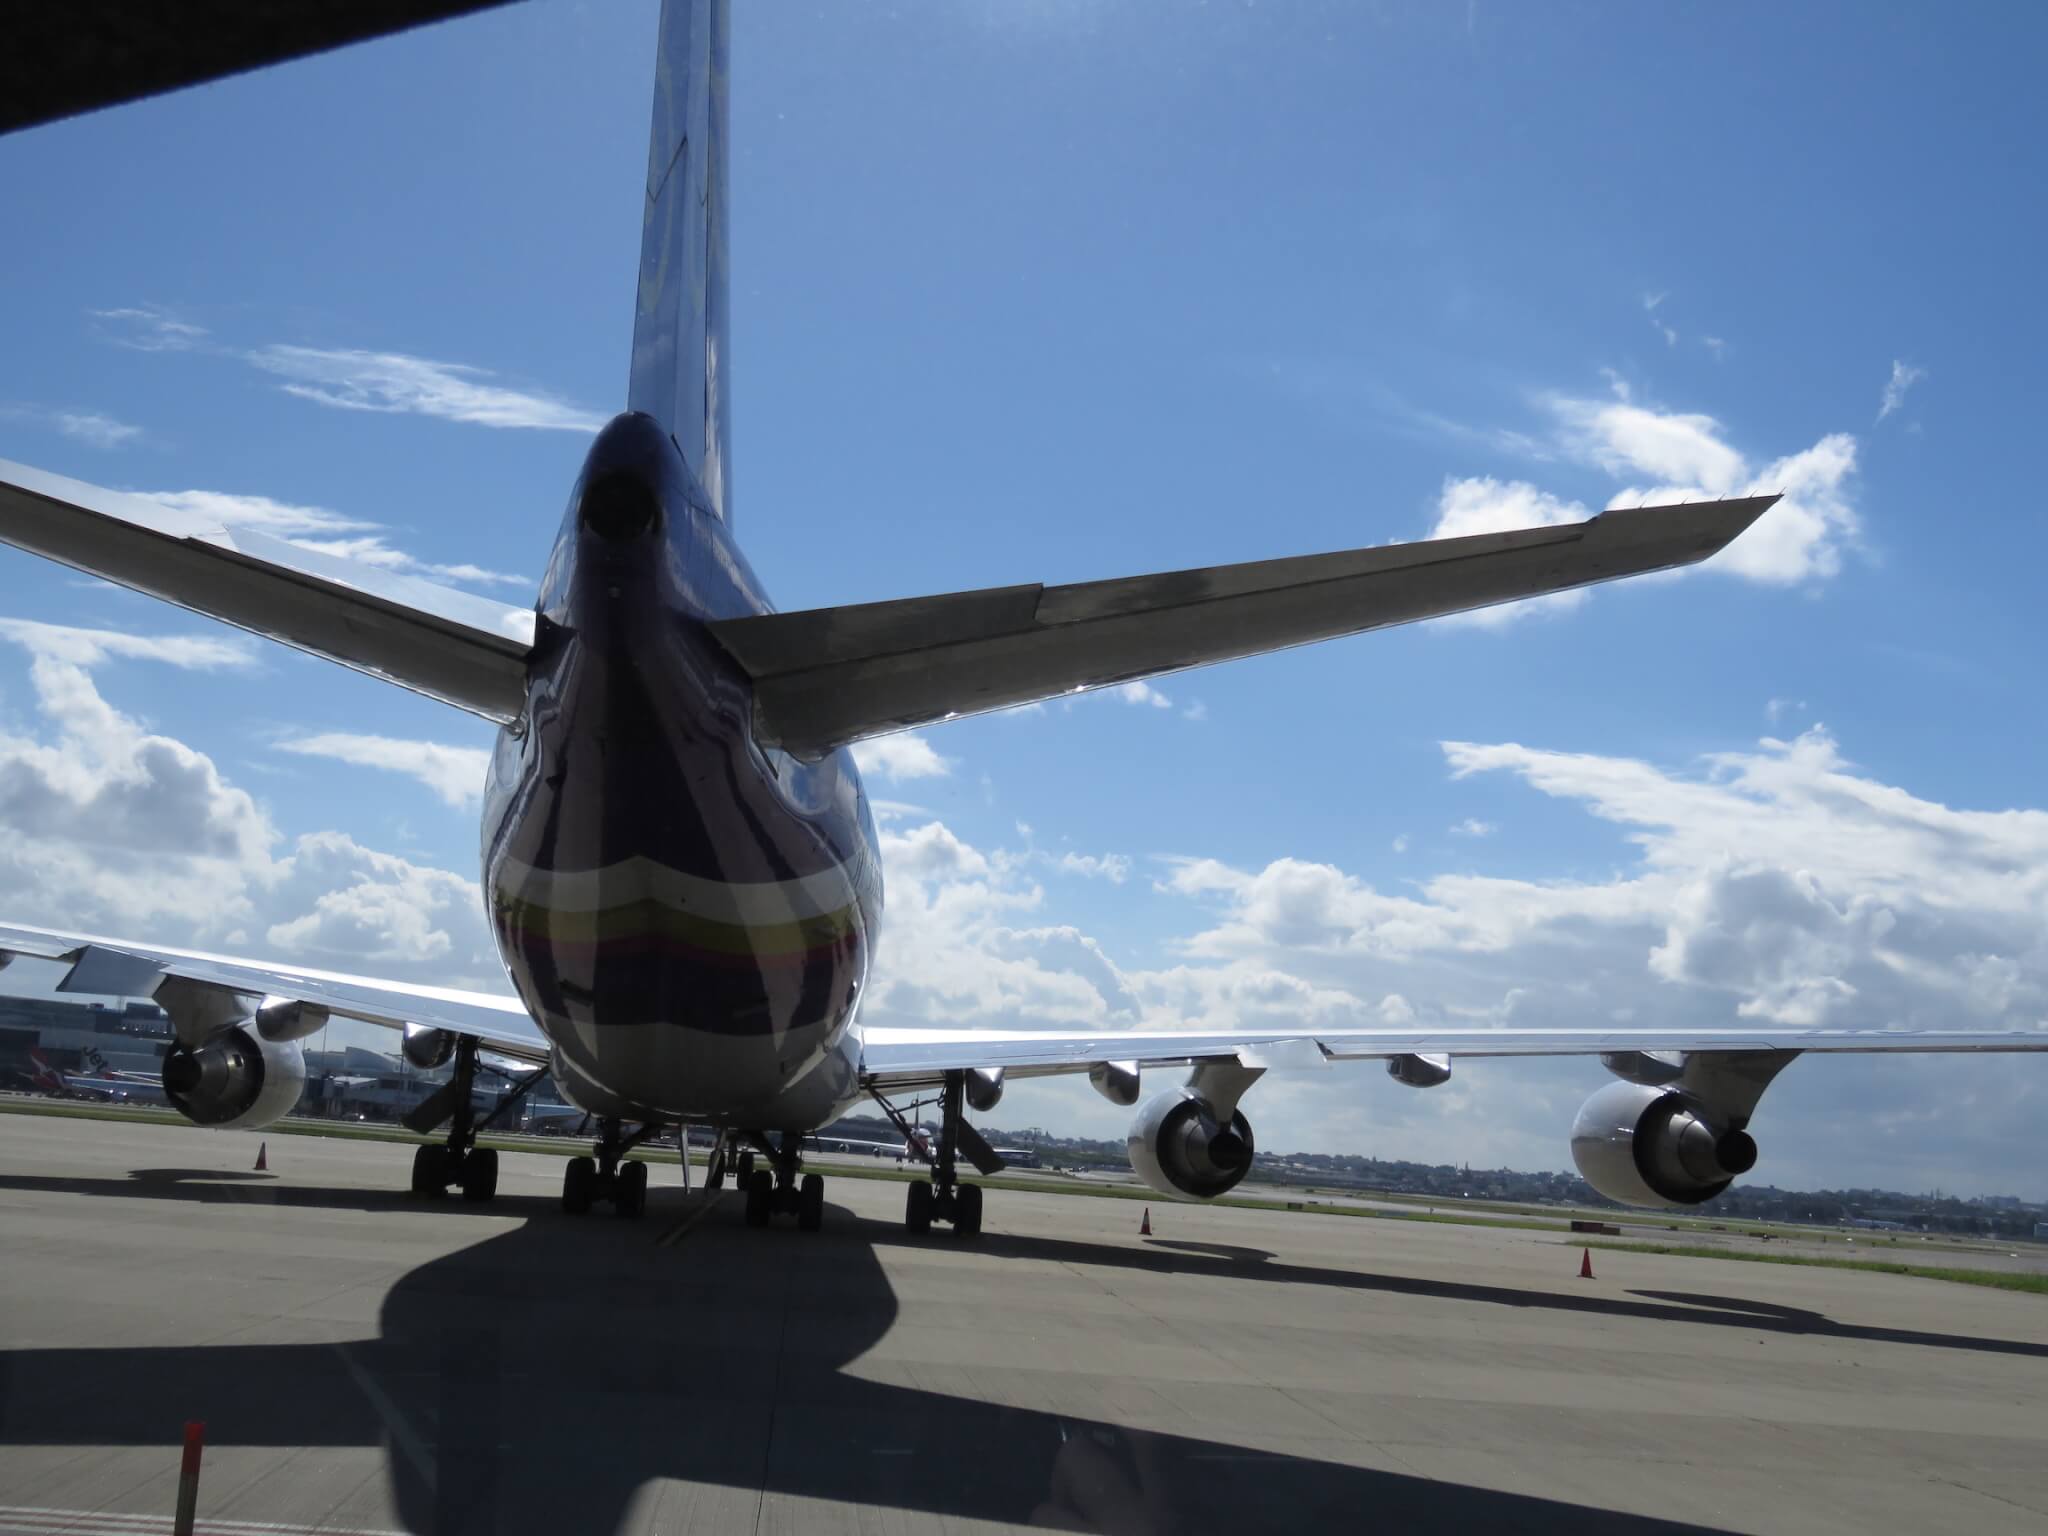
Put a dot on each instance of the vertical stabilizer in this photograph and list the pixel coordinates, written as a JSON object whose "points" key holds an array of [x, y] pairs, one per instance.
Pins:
{"points": [[680, 359]]}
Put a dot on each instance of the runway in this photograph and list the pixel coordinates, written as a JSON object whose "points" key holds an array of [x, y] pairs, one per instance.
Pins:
{"points": [[366, 1361]]}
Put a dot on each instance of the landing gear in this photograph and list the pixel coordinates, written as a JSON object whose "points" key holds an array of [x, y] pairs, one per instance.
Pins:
{"points": [[945, 1198], [608, 1174], [783, 1190], [459, 1161]]}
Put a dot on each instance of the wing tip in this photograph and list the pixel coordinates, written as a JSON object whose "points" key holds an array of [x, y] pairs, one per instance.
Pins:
{"points": [[1706, 527]]}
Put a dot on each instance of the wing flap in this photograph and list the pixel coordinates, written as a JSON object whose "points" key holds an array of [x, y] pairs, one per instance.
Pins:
{"points": [[826, 677], [454, 646], [894, 1058]]}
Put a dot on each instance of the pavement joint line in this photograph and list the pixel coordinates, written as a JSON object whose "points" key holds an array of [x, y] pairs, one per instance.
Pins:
{"points": [[86, 1520], [403, 1438], [682, 1229]]}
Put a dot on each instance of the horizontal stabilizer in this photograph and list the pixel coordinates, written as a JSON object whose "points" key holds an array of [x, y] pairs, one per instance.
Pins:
{"points": [[828, 676], [465, 650]]}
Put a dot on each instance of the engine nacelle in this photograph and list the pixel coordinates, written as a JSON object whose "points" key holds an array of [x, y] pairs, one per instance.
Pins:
{"points": [[235, 1079], [1651, 1146], [1180, 1147]]}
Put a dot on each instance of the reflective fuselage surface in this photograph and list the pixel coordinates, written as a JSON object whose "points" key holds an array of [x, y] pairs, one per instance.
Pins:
{"points": [[690, 919]]}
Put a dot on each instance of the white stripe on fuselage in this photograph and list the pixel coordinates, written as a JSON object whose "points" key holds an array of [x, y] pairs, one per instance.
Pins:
{"points": [[638, 879]]}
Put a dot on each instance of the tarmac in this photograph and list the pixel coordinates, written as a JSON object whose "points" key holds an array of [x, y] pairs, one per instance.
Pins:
{"points": [[366, 1361]]}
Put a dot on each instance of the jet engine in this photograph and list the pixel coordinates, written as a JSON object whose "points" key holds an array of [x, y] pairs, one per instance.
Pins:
{"points": [[1650, 1146], [1180, 1147], [236, 1079]]}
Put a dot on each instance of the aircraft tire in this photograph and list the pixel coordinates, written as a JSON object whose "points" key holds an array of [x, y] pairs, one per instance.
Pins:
{"points": [[917, 1206], [629, 1190], [430, 1169], [967, 1211], [579, 1184], [760, 1197], [810, 1203], [480, 1175], [745, 1177]]}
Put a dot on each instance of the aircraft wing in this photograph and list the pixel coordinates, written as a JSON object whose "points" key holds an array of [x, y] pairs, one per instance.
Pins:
{"points": [[894, 1058], [453, 646], [117, 968], [828, 676]]}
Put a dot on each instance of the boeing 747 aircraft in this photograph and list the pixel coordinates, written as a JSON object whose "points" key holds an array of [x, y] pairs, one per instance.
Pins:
{"points": [[680, 862]]}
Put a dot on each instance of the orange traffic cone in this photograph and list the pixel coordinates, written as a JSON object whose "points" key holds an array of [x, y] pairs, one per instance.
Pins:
{"points": [[263, 1158], [1145, 1226], [1585, 1263]]}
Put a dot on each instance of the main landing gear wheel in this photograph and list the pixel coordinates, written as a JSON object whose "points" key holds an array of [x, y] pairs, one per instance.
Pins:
{"points": [[480, 1175], [782, 1188], [967, 1211], [430, 1169], [609, 1174], [579, 1185], [459, 1161], [629, 1191], [810, 1203], [760, 1187], [945, 1198]]}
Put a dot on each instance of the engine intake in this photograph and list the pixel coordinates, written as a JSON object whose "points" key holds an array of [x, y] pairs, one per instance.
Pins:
{"points": [[236, 1079], [1180, 1147], [1651, 1146]]}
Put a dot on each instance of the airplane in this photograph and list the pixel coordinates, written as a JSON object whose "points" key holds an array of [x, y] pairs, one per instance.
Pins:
{"points": [[98, 1081], [680, 861]]}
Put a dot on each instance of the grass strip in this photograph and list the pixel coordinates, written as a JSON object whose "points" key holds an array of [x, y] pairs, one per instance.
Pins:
{"points": [[1997, 1279]]}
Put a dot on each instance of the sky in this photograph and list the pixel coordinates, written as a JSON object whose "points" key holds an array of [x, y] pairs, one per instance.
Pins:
{"points": [[1052, 291]]}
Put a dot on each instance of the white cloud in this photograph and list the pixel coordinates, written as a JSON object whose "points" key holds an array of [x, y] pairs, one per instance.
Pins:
{"points": [[1715, 345], [146, 328], [1113, 867], [1651, 303], [1802, 538], [1401, 843], [394, 382], [1472, 826], [1904, 377], [89, 647], [95, 428], [1196, 710], [1482, 504], [905, 755], [108, 827], [456, 774], [1777, 709], [1144, 695], [324, 532]]}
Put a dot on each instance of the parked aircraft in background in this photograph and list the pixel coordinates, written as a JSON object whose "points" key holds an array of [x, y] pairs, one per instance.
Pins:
{"points": [[98, 1081], [679, 859]]}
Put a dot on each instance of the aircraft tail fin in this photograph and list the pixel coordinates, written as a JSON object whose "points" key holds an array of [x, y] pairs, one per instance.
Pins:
{"points": [[681, 371]]}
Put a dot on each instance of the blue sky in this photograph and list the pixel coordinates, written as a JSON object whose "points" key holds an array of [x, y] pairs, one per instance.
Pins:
{"points": [[1058, 291]]}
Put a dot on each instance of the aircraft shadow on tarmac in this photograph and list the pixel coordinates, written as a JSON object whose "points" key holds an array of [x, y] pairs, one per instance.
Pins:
{"points": [[535, 1380]]}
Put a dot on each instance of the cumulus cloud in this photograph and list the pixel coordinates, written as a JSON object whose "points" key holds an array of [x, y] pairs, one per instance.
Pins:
{"points": [[1904, 377], [109, 827], [1472, 826], [905, 755], [398, 383], [456, 774], [1144, 695], [1687, 457]]}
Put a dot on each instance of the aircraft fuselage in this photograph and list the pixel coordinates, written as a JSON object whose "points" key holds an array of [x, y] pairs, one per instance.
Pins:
{"points": [[689, 918]]}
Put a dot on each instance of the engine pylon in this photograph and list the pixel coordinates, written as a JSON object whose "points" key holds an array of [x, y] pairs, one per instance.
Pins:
{"points": [[1145, 1226], [263, 1157], [1585, 1263]]}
